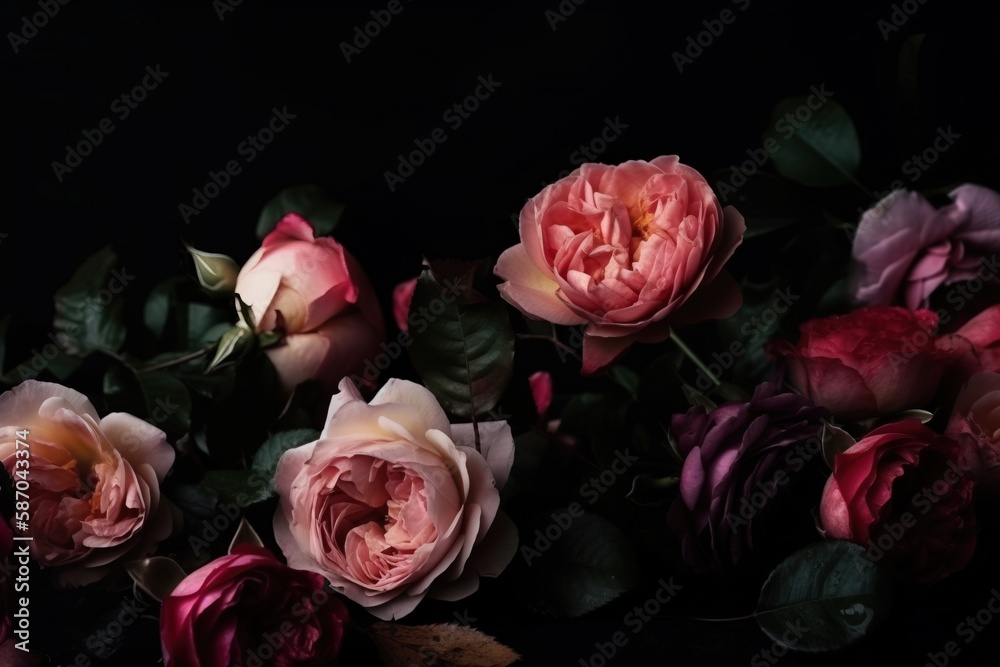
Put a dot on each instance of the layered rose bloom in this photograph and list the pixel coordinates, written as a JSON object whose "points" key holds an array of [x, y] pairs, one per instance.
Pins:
{"points": [[247, 608], [94, 484], [316, 294], [975, 421], [983, 334], [902, 491], [873, 361], [905, 248], [737, 458], [393, 503], [627, 250]]}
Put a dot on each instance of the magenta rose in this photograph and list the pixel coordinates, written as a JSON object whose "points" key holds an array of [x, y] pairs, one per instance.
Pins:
{"points": [[315, 293], [871, 362], [247, 608], [628, 250], [737, 458], [983, 334], [975, 421], [94, 484], [905, 248], [402, 295], [902, 493], [393, 503]]}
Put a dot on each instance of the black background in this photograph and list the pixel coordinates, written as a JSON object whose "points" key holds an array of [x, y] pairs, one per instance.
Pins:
{"points": [[557, 88]]}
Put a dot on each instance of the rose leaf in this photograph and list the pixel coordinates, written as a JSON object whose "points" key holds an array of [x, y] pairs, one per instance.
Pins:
{"points": [[824, 597]]}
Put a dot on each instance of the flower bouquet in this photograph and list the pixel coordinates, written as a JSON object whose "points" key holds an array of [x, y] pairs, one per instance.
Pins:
{"points": [[676, 403]]}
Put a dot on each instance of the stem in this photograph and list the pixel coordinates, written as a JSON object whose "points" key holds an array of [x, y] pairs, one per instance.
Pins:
{"points": [[177, 361], [689, 353]]}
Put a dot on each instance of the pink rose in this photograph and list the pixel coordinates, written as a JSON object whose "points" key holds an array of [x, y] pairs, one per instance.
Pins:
{"points": [[901, 492], [628, 251], [905, 248], [401, 297], [94, 484], [249, 609], [316, 293], [874, 361], [393, 503], [541, 390], [975, 421], [983, 333]]}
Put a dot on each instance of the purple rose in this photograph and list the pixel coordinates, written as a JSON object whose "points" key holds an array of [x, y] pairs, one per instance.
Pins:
{"points": [[737, 458], [905, 248]]}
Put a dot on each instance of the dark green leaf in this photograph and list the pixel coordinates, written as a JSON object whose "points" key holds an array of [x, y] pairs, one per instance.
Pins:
{"points": [[243, 487], [575, 563], [265, 461], [193, 498], [159, 303], [215, 385], [830, 592], [465, 353], [168, 402], [309, 201], [88, 313], [816, 145], [157, 576], [625, 378]]}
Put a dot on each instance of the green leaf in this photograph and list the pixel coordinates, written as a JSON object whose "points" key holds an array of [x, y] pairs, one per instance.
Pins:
{"points": [[205, 322], [265, 461], [575, 569], [88, 313], [830, 592], [157, 576], [625, 378], [168, 402], [816, 146], [159, 304], [465, 353], [309, 201], [215, 385], [243, 487]]}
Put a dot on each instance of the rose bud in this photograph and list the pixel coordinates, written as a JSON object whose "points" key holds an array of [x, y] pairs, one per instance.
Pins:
{"points": [[902, 492], [629, 251], [316, 294]]}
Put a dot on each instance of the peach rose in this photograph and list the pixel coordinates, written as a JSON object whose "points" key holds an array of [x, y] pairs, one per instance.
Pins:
{"points": [[628, 251], [93, 484], [393, 503], [312, 290]]}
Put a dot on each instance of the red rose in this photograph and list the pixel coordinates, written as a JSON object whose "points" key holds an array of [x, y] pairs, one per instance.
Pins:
{"points": [[248, 608], [874, 361], [902, 493]]}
